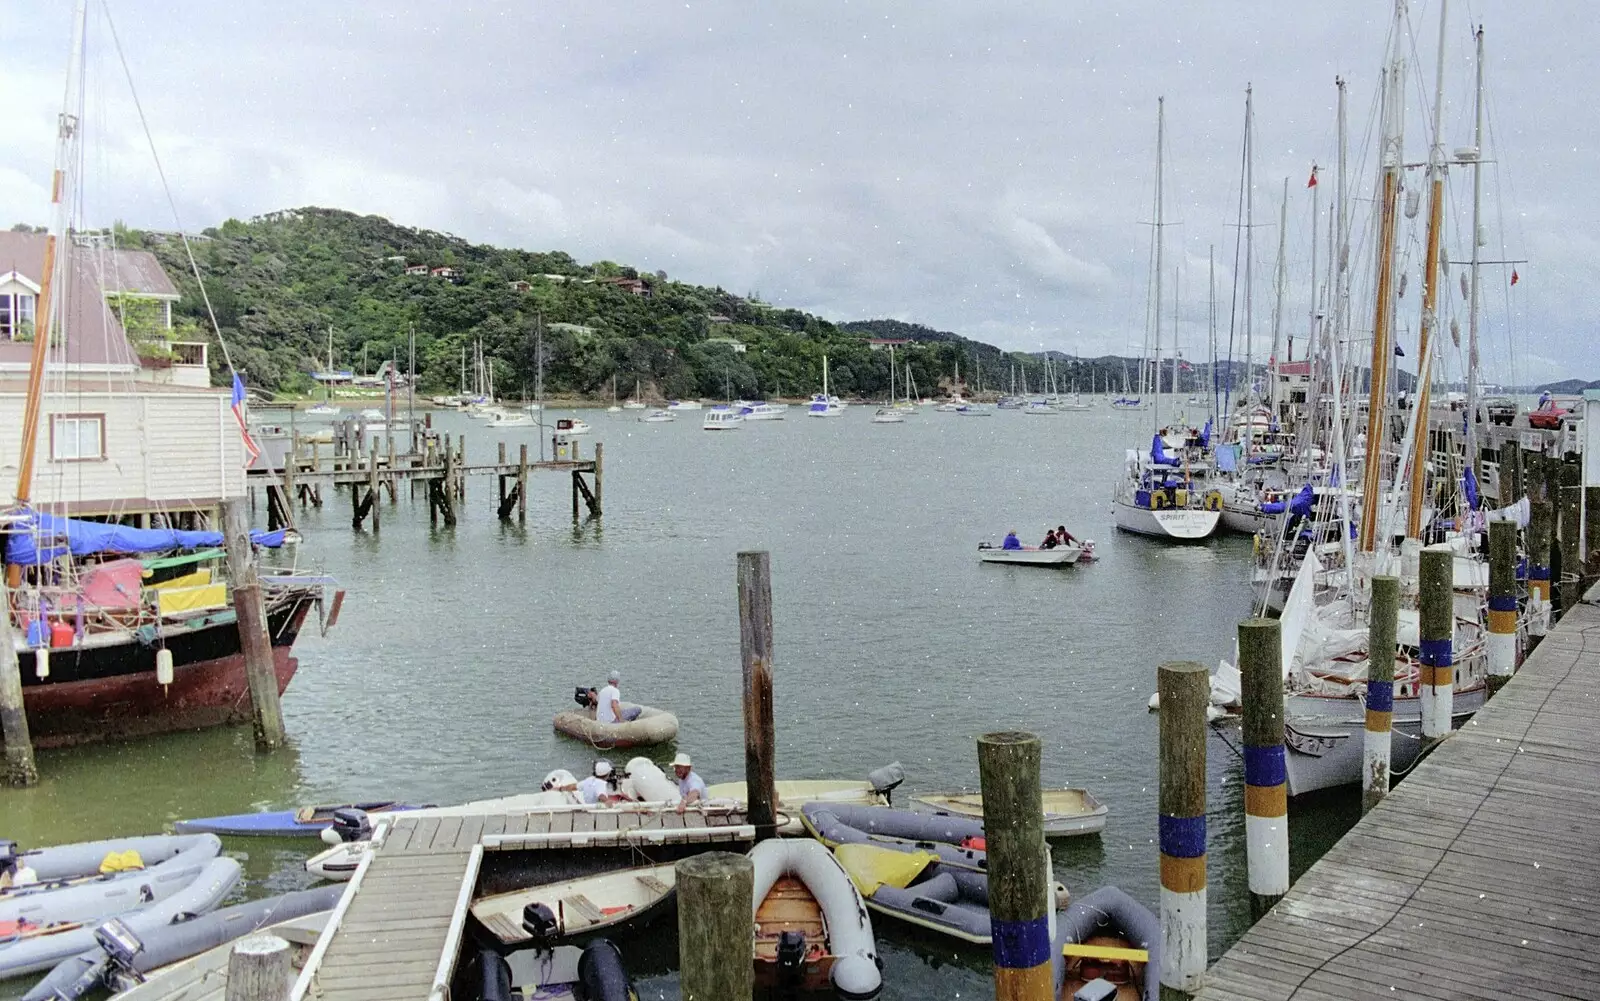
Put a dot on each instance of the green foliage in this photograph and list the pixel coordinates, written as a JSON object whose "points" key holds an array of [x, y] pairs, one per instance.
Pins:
{"points": [[278, 282]]}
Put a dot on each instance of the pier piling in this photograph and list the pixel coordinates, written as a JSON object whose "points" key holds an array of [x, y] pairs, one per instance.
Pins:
{"points": [[1591, 534], [20, 767], [1436, 631], [251, 613], [1266, 781], [258, 969], [755, 651], [522, 484], [1382, 622], [1502, 639], [1019, 878], [597, 508], [1185, 690], [1540, 516], [716, 927], [1511, 485], [1571, 518]]}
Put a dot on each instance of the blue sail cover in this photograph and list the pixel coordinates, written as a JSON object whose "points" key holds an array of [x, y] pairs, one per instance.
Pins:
{"points": [[1469, 486], [1300, 504], [1205, 434], [1158, 452], [40, 538]]}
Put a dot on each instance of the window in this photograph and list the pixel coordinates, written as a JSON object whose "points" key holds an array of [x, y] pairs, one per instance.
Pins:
{"points": [[77, 437], [16, 315]]}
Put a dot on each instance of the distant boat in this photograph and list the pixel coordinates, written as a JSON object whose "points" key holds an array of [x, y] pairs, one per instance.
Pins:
{"points": [[633, 403], [721, 419], [974, 410], [683, 405], [888, 415], [822, 404], [657, 417], [512, 419], [952, 405], [322, 410], [761, 412], [1060, 556], [1040, 408]]}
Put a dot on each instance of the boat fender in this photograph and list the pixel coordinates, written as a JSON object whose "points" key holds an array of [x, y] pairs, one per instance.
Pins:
{"points": [[164, 666], [1214, 500], [496, 973], [602, 974], [539, 921]]}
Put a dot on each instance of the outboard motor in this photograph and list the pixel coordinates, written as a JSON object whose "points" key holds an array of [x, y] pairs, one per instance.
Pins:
{"points": [[602, 974], [580, 695], [351, 824], [496, 976], [539, 921], [791, 961], [8, 857], [886, 779]]}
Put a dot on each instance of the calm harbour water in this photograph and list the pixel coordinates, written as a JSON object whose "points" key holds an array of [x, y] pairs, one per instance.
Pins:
{"points": [[892, 643]]}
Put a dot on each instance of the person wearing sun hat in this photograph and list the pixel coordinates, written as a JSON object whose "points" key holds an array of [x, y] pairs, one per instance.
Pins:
{"points": [[691, 787], [597, 787]]}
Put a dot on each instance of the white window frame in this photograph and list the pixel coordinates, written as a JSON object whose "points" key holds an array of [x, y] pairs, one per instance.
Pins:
{"points": [[66, 437]]}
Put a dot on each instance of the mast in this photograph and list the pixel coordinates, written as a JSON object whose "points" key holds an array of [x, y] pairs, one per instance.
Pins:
{"points": [[1472, 303], [1211, 321], [1430, 296], [1161, 135], [1390, 148], [411, 381], [1280, 281], [1312, 345], [1249, 245], [1341, 262], [62, 185]]}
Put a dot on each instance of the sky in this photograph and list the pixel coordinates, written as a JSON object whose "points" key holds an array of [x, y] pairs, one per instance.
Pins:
{"points": [[984, 168]]}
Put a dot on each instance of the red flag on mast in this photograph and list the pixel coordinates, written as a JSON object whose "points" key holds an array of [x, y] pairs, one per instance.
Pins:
{"points": [[1513, 276], [1313, 182]]}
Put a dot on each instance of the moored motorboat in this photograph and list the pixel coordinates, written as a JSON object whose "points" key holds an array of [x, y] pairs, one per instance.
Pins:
{"points": [[652, 726], [683, 405], [1067, 812], [1030, 555], [513, 419], [758, 411], [1108, 939], [306, 822], [812, 927], [889, 415], [657, 417], [554, 912], [721, 419]]}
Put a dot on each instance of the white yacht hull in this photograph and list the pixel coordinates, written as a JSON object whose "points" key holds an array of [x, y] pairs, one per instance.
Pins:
{"points": [[1246, 520], [1325, 738], [1059, 556], [1182, 524]]}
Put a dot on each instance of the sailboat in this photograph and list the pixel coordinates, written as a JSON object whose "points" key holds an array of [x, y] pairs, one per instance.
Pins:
{"points": [[328, 377], [823, 404], [1157, 494], [633, 402], [614, 408]]}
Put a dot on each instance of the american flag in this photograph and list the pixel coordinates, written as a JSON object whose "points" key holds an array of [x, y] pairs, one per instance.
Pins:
{"points": [[250, 446]]}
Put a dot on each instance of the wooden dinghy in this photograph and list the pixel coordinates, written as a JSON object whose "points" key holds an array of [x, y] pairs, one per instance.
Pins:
{"points": [[812, 929], [552, 912], [1067, 812]]}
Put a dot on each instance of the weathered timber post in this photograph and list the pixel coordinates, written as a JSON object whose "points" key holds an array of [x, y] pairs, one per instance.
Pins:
{"points": [[258, 969], [1540, 517], [1502, 640], [599, 476], [755, 651], [1185, 690], [1436, 633], [20, 767], [1382, 622], [1511, 485], [373, 487], [716, 927], [1020, 894], [1591, 534], [575, 478], [522, 484], [1571, 517], [251, 612], [461, 467], [1266, 780], [500, 481]]}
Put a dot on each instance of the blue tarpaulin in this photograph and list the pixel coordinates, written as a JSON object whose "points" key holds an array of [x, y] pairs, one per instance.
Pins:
{"points": [[1300, 504], [39, 538], [1205, 434], [1227, 458], [1158, 452], [1469, 486]]}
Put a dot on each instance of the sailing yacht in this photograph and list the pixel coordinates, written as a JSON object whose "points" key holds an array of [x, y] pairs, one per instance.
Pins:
{"points": [[823, 404], [633, 402], [1157, 494]]}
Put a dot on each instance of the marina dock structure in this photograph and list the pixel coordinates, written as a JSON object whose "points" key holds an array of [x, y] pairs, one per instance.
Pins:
{"points": [[295, 468], [397, 931], [1474, 877]]}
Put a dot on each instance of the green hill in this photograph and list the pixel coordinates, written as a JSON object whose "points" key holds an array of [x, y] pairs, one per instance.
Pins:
{"points": [[279, 281]]}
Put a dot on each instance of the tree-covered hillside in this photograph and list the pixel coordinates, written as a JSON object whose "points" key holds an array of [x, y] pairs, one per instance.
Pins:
{"points": [[278, 282]]}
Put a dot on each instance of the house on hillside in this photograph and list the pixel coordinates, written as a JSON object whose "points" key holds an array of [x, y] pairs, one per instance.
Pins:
{"points": [[737, 345], [448, 274], [633, 285], [130, 425], [879, 343], [395, 259], [577, 329], [521, 286], [417, 269], [719, 318]]}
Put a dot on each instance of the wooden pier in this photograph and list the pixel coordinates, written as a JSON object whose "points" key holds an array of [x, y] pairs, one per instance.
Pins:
{"points": [[1475, 877], [398, 928]]}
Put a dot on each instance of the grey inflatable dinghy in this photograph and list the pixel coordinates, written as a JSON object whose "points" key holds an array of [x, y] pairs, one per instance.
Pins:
{"points": [[35, 947], [1102, 935], [843, 824], [76, 977], [67, 883]]}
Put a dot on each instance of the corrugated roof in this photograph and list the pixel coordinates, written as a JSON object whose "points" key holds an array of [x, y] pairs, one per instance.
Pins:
{"points": [[136, 271]]}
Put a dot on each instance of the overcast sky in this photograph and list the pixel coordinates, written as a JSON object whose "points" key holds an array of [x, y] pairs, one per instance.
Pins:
{"points": [[980, 167]]}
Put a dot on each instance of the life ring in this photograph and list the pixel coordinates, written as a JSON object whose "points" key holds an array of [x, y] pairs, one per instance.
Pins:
{"points": [[1214, 500]]}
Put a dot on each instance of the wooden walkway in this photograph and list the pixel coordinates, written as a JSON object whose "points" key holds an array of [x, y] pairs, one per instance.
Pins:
{"points": [[1478, 877], [398, 928]]}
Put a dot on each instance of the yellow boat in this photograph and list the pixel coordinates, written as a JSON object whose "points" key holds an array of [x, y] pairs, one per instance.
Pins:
{"points": [[1067, 812]]}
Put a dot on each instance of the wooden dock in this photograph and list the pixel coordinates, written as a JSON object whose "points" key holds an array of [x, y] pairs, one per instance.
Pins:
{"points": [[1475, 878], [398, 927]]}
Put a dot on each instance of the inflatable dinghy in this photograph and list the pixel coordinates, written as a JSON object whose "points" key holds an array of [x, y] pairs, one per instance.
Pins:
{"points": [[565, 973], [306, 822], [94, 879], [654, 726], [1108, 939], [33, 948], [812, 928], [957, 841], [74, 978]]}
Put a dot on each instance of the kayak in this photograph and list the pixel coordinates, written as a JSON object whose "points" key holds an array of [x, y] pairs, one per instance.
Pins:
{"points": [[306, 822]]}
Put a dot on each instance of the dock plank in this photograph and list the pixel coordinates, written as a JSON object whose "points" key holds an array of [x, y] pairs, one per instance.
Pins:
{"points": [[1474, 877]]}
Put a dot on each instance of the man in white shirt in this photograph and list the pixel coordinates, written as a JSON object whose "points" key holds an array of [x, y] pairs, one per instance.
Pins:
{"points": [[597, 787], [608, 704], [691, 787]]}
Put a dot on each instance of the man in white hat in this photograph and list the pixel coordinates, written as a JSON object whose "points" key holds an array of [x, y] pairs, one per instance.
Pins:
{"points": [[691, 787], [608, 704], [597, 787]]}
